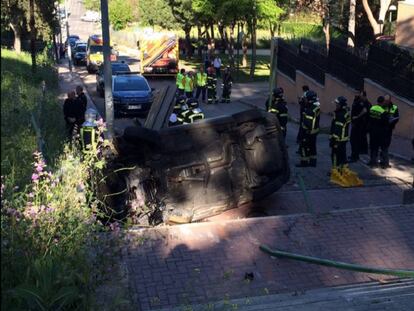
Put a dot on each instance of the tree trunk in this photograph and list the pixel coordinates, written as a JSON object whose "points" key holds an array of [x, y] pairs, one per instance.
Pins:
{"points": [[253, 59], [351, 23], [189, 50], [17, 43], [376, 27], [200, 42], [244, 48], [231, 45], [212, 31], [32, 36], [326, 30], [55, 48]]}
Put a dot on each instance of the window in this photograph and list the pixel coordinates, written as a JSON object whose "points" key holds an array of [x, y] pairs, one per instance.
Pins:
{"points": [[96, 48], [128, 84]]}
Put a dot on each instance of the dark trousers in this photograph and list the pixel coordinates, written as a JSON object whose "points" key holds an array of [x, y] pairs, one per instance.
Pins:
{"points": [[359, 143], [189, 94], [308, 148], [226, 94], [378, 142], [180, 92], [338, 154], [211, 95], [218, 74], [201, 90]]}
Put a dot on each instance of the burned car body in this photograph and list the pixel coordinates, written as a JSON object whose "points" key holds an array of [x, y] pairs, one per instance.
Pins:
{"points": [[189, 172]]}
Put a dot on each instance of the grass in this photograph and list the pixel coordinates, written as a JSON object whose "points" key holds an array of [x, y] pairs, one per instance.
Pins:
{"points": [[243, 76], [21, 97]]}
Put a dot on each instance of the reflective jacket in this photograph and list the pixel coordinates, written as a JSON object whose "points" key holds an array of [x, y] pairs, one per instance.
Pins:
{"points": [[182, 117], [188, 84], [194, 116], [279, 108], [378, 120], [179, 81], [340, 125], [211, 82], [201, 79], [393, 114], [310, 118]]}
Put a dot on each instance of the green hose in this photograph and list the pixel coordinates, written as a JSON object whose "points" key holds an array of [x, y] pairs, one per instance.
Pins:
{"points": [[337, 264]]}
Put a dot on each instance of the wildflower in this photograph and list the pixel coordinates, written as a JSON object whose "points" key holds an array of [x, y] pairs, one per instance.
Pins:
{"points": [[49, 209], [39, 168], [35, 177], [31, 195]]}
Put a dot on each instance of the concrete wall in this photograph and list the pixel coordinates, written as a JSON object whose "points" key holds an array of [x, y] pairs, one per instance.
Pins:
{"points": [[404, 35], [405, 126], [334, 87]]}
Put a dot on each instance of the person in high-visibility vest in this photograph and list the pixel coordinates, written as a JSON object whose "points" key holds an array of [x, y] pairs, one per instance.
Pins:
{"points": [[201, 83], [279, 108], [394, 117], [339, 133], [88, 131], [378, 123], [179, 82], [188, 85]]}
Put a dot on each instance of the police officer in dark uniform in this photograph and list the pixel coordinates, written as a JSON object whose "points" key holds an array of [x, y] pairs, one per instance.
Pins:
{"points": [[310, 130], [279, 108], [393, 118], [339, 134], [378, 124], [359, 115]]}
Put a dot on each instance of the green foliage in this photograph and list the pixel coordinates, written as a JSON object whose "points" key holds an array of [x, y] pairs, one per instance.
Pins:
{"points": [[94, 5], [156, 12], [21, 97], [120, 14], [301, 30]]}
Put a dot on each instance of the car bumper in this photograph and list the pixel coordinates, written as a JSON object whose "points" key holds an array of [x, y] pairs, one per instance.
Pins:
{"points": [[136, 109]]}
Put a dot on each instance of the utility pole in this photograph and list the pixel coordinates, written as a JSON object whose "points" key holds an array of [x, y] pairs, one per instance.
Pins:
{"points": [[67, 38], [109, 105], [273, 67]]}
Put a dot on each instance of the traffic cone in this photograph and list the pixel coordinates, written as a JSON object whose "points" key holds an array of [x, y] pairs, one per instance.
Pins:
{"points": [[352, 177], [338, 178]]}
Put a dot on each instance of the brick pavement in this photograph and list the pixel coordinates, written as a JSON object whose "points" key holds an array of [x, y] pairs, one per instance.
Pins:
{"points": [[200, 263]]}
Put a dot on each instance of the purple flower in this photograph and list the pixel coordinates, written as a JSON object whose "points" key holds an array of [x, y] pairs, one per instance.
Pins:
{"points": [[31, 195], [39, 168], [35, 177]]}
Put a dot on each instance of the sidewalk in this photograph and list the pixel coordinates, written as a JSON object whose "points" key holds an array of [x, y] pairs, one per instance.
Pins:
{"points": [[206, 262], [255, 94]]}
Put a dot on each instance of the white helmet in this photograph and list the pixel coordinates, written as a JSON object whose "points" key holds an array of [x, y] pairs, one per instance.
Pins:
{"points": [[173, 118]]}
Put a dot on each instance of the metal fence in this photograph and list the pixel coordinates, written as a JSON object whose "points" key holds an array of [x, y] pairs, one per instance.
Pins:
{"points": [[390, 66]]}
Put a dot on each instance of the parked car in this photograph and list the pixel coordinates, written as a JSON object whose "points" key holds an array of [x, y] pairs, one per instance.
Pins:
{"points": [[132, 95], [91, 16], [117, 68], [72, 41], [79, 53]]}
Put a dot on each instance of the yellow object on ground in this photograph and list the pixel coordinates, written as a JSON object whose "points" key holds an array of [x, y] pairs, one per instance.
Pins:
{"points": [[345, 177]]}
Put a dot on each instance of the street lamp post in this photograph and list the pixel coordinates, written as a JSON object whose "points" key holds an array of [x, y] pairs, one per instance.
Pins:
{"points": [[109, 105], [67, 38]]}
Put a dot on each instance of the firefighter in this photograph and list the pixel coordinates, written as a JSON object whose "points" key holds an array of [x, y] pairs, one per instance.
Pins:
{"points": [[179, 82], [201, 82], [195, 112], [310, 130], [180, 100], [339, 134], [378, 131], [182, 116], [279, 108], [301, 101], [394, 117], [88, 133], [226, 85], [359, 115], [211, 86]]}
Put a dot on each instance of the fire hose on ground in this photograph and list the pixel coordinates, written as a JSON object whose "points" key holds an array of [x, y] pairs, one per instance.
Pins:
{"points": [[337, 264]]}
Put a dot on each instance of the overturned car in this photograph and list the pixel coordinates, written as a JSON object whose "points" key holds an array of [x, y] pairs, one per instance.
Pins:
{"points": [[189, 172]]}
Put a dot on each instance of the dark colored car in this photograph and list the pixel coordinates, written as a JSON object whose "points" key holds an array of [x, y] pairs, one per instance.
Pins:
{"points": [[79, 54], [72, 41], [132, 95], [116, 68], [189, 172]]}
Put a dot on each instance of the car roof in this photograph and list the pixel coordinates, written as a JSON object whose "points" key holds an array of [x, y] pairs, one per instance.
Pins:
{"points": [[74, 36]]}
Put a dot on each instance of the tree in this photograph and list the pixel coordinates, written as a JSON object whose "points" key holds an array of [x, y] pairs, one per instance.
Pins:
{"points": [[185, 17], [351, 23], [13, 17], [156, 12], [120, 14], [375, 24], [270, 14]]}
